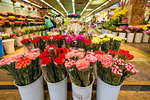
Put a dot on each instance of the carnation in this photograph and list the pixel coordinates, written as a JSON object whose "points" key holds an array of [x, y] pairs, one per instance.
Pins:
{"points": [[82, 64]]}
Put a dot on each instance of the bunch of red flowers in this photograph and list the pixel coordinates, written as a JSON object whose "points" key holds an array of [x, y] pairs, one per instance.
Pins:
{"points": [[53, 63], [123, 54]]}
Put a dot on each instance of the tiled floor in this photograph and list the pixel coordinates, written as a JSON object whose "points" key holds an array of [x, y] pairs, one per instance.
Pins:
{"points": [[123, 95]]}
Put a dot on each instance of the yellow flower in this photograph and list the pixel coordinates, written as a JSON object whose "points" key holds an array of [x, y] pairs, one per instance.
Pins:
{"points": [[11, 17], [1, 17], [106, 39], [96, 40], [117, 38]]}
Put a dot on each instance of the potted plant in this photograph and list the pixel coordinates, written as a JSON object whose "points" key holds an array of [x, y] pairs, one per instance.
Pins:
{"points": [[25, 33], [113, 29], [138, 35], [112, 71], [22, 6], [146, 36], [7, 26], [55, 74], [80, 65], [25, 69], [122, 31], [17, 25], [19, 38], [8, 43], [130, 34]]}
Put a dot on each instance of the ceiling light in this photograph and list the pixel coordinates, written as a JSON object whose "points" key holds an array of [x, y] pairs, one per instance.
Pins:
{"points": [[73, 5], [98, 8], [86, 6], [32, 3], [52, 7], [62, 6]]}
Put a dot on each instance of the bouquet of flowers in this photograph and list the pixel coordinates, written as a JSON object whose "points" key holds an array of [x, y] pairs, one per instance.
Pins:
{"points": [[29, 8], [113, 70], [17, 23], [7, 36], [38, 42], [22, 5], [148, 32], [53, 63], [79, 65], [96, 43], [7, 23], [14, 1], [24, 68]]}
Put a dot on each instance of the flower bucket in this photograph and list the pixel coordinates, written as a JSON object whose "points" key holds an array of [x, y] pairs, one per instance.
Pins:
{"points": [[57, 91], [82, 93], [1, 49], [18, 28], [18, 41], [115, 33], [40, 33], [123, 35], [130, 37], [8, 30], [36, 34], [33, 91], [25, 36], [9, 45], [106, 91], [31, 36], [145, 38], [138, 37]]}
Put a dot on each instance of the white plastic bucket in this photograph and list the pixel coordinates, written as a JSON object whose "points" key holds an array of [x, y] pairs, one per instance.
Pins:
{"points": [[106, 91], [33, 91], [115, 33], [123, 35], [130, 37], [145, 38], [82, 93], [18, 41], [57, 91], [25, 36], [138, 37], [8, 30], [9, 45]]}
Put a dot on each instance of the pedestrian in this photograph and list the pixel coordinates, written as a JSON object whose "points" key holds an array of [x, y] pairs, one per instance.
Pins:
{"points": [[48, 23]]}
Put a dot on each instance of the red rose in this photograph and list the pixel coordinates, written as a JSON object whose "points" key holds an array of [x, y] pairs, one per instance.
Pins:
{"points": [[46, 61], [57, 37], [88, 41], [26, 40]]}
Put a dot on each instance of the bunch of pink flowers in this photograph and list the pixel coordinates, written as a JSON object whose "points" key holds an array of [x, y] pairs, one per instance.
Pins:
{"points": [[79, 65], [148, 32], [113, 70]]}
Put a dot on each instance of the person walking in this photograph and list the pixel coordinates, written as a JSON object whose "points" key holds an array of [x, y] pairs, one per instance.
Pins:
{"points": [[48, 23], [58, 21]]}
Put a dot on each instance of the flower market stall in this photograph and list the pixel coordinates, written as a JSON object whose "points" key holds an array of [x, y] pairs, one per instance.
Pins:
{"points": [[78, 56]]}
